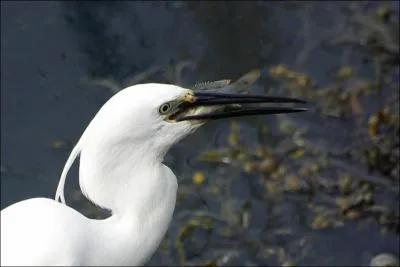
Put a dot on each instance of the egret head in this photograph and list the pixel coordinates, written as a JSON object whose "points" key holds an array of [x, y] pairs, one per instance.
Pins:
{"points": [[156, 116], [140, 115]]}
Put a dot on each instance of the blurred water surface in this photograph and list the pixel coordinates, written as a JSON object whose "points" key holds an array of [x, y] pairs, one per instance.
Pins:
{"points": [[49, 50]]}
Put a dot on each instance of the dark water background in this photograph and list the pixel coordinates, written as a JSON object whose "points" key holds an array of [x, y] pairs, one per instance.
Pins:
{"points": [[48, 48]]}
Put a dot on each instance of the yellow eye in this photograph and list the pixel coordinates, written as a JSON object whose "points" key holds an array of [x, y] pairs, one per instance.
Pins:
{"points": [[164, 108]]}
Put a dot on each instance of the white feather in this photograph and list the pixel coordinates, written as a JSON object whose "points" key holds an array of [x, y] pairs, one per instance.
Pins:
{"points": [[121, 154]]}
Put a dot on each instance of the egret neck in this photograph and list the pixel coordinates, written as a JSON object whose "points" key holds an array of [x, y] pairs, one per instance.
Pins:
{"points": [[131, 181]]}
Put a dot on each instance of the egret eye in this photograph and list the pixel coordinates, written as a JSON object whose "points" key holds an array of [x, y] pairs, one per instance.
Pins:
{"points": [[164, 108]]}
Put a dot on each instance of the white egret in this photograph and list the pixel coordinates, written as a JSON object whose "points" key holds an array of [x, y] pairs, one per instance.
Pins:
{"points": [[121, 153]]}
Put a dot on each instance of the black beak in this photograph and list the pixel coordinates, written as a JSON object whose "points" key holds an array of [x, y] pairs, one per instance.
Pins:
{"points": [[211, 106]]}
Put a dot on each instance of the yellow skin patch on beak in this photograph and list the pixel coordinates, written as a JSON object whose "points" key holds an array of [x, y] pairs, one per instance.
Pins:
{"points": [[189, 97]]}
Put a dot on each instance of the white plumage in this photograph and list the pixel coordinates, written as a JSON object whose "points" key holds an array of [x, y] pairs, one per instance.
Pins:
{"points": [[120, 169], [121, 153]]}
